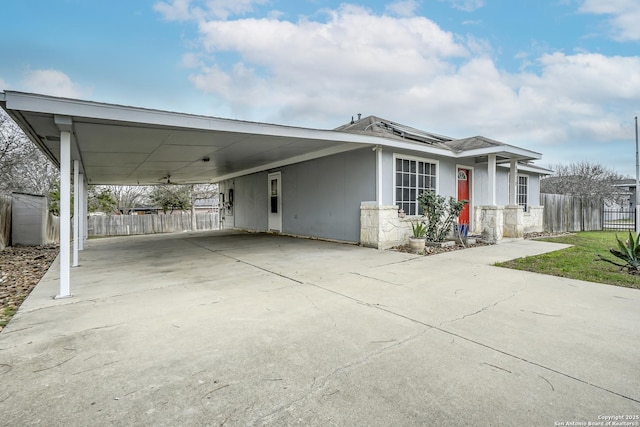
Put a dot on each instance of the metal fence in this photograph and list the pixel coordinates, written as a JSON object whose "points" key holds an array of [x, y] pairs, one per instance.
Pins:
{"points": [[618, 219]]}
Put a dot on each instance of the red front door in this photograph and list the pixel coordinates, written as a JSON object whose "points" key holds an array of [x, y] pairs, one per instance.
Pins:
{"points": [[464, 180]]}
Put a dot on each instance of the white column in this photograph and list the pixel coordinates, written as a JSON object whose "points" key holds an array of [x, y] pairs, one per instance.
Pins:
{"points": [[85, 212], [491, 171], [82, 217], [378, 150], [76, 210], [513, 182], [65, 213]]}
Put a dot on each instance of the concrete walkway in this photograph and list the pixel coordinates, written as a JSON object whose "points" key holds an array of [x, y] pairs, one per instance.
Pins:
{"points": [[251, 329]]}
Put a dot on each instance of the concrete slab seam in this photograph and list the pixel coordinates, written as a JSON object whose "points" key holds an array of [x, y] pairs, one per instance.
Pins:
{"points": [[248, 263], [513, 294], [379, 307]]}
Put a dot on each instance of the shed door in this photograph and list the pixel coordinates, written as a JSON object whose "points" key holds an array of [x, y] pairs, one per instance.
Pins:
{"points": [[464, 180], [275, 202]]}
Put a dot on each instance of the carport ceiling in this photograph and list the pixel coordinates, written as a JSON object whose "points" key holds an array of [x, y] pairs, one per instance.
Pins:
{"points": [[126, 145]]}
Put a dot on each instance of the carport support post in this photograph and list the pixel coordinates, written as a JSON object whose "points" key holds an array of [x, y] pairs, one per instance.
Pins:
{"points": [[76, 210], [491, 172], [65, 213], [82, 217], [85, 212]]}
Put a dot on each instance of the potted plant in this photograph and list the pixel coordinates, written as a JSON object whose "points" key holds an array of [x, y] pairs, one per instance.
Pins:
{"points": [[417, 240]]}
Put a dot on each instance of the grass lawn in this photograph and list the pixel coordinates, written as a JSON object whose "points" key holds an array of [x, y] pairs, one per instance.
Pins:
{"points": [[580, 261]]}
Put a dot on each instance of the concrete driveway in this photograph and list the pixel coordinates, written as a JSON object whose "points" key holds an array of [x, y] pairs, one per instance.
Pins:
{"points": [[252, 329]]}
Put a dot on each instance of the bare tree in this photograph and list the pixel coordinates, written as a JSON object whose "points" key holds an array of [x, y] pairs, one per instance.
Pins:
{"points": [[127, 197], [200, 192], [583, 179], [23, 167]]}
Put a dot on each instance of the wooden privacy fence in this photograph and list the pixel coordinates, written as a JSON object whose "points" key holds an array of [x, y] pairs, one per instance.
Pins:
{"points": [[570, 213], [124, 225]]}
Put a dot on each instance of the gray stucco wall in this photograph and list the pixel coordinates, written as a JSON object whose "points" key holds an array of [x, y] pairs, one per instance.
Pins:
{"points": [[502, 186], [534, 190], [387, 178], [320, 198]]}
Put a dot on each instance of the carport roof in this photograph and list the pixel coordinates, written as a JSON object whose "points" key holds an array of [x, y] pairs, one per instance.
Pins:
{"points": [[118, 144]]}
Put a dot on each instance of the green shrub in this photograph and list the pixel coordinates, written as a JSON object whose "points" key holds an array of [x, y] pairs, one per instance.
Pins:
{"points": [[628, 251], [419, 229], [439, 214]]}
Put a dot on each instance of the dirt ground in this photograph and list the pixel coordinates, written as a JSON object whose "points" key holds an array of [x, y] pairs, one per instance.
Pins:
{"points": [[21, 268]]}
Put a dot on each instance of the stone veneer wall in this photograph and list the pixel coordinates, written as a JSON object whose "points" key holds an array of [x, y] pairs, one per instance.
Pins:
{"points": [[495, 222], [489, 222], [533, 219], [513, 221], [381, 228]]}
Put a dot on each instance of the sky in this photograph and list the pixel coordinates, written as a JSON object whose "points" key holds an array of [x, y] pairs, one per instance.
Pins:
{"points": [[559, 77]]}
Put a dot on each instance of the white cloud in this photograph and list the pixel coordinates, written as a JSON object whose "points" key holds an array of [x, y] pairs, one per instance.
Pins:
{"points": [[402, 8], [624, 16], [307, 67], [178, 10], [53, 82], [321, 72], [466, 5], [3, 85], [191, 60], [184, 10]]}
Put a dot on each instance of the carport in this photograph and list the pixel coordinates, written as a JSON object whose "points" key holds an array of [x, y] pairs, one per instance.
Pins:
{"points": [[104, 144], [99, 143]]}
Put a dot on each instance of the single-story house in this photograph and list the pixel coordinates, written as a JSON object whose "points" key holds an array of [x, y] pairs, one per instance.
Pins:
{"points": [[624, 195], [356, 195], [345, 184]]}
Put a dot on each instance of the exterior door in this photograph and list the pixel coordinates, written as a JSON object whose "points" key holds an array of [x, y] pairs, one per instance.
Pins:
{"points": [[275, 201], [464, 181]]}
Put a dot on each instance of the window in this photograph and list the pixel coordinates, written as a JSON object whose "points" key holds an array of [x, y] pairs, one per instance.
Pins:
{"points": [[523, 191], [413, 177]]}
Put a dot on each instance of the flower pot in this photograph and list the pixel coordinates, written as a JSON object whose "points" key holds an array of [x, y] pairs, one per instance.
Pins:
{"points": [[416, 245]]}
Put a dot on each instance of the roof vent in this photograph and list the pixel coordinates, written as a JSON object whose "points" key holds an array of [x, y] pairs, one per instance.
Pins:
{"points": [[359, 116]]}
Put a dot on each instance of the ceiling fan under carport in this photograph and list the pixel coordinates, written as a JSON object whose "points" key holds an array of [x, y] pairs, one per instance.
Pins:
{"points": [[167, 180]]}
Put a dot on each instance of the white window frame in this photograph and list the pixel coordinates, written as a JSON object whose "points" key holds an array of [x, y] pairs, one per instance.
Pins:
{"points": [[518, 194], [417, 159]]}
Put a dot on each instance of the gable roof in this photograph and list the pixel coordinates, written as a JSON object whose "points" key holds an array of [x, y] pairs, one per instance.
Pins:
{"points": [[118, 144], [475, 146], [373, 125]]}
